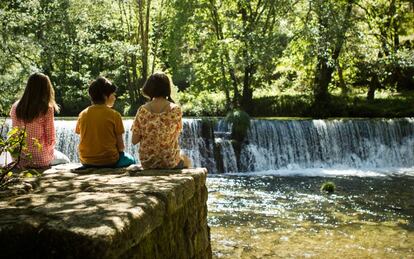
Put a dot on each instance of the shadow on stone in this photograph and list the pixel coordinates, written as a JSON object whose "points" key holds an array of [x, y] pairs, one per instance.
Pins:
{"points": [[108, 213]]}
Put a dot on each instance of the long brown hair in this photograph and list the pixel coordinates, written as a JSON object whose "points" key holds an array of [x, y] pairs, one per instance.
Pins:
{"points": [[38, 96]]}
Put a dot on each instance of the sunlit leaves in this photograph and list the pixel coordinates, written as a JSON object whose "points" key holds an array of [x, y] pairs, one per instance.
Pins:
{"points": [[206, 45], [13, 143]]}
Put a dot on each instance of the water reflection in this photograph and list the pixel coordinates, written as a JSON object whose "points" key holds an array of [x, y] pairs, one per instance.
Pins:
{"points": [[279, 217]]}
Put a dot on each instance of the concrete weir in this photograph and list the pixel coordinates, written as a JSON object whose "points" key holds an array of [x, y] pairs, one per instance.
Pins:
{"points": [[108, 213]]}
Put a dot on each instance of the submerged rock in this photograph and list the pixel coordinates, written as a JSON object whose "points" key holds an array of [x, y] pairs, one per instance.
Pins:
{"points": [[328, 187]]}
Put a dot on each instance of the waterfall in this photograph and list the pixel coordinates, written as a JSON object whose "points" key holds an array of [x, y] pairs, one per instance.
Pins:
{"points": [[67, 140], [284, 144], [228, 155], [340, 143], [199, 149]]}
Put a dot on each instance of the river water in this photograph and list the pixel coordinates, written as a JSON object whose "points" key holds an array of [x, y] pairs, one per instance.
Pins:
{"points": [[266, 201], [273, 216]]}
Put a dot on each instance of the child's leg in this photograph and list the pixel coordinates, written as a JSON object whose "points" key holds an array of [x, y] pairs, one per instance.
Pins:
{"points": [[59, 158], [186, 160], [125, 160]]}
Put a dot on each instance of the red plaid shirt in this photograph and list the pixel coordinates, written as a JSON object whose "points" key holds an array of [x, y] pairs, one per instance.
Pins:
{"points": [[43, 129]]}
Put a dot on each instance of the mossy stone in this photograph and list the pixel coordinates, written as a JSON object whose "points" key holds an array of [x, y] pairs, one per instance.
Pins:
{"points": [[328, 187]]}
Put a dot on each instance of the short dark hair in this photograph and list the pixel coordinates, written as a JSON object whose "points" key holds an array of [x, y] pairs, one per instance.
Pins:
{"points": [[100, 88], [157, 85]]}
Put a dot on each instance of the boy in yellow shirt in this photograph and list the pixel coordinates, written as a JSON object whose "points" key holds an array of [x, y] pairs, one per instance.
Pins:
{"points": [[101, 129]]}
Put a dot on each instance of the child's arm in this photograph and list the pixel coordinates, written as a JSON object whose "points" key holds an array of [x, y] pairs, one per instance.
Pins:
{"points": [[49, 127], [136, 137], [119, 131], [13, 115], [120, 143], [77, 128]]}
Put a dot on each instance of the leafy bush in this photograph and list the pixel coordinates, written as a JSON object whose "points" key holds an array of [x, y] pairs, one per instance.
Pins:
{"points": [[282, 105], [207, 127], [14, 143], [386, 104], [328, 187], [202, 104], [240, 124]]}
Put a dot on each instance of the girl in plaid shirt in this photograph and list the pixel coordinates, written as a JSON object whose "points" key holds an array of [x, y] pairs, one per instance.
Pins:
{"points": [[34, 112]]}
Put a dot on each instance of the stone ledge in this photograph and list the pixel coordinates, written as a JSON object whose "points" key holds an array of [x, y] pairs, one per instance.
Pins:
{"points": [[100, 213]]}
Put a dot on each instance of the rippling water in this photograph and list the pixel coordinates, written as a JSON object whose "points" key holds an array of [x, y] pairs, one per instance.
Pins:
{"points": [[266, 215], [278, 211]]}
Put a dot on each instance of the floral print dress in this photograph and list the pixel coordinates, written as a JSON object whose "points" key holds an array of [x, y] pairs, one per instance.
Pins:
{"points": [[158, 137]]}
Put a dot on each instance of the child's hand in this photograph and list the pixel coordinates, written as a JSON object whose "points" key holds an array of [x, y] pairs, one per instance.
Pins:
{"points": [[120, 143]]}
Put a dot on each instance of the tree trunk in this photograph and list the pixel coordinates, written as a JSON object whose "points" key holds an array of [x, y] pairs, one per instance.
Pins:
{"points": [[130, 60], [247, 98], [374, 85], [342, 85], [129, 80], [225, 59], [322, 79], [225, 82], [145, 40], [323, 72], [371, 93], [143, 31], [135, 86]]}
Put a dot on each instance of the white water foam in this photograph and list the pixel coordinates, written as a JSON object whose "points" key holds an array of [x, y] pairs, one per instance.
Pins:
{"points": [[369, 147], [331, 172]]}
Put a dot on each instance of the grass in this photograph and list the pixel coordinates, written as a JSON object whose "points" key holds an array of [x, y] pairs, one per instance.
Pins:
{"points": [[298, 105], [294, 104]]}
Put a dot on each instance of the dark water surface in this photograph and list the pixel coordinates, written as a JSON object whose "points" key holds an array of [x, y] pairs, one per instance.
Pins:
{"points": [[269, 216]]}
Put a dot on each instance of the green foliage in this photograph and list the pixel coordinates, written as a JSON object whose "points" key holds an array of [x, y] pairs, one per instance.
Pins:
{"points": [[14, 143], [240, 124], [397, 105], [211, 121], [71, 41], [207, 127], [24, 174], [282, 105], [328, 187], [388, 104], [220, 54], [393, 71], [202, 104]]}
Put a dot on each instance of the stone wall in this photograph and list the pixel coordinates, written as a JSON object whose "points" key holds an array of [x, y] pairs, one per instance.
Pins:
{"points": [[108, 213]]}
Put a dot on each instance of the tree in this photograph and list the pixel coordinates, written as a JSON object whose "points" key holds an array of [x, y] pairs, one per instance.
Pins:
{"points": [[248, 40], [386, 21], [332, 20], [231, 50], [18, 51]]}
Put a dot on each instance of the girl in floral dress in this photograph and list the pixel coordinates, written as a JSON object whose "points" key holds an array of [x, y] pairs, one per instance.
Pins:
{"points": [[157, 126]]}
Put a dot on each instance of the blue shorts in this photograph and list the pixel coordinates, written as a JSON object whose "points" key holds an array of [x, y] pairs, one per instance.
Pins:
{"points": [[124, 160]]}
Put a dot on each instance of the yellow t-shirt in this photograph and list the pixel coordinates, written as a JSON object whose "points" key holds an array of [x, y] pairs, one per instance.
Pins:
{"points": [[99, 126]]}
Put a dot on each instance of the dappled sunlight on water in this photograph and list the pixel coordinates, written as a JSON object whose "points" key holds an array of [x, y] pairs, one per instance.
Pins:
{"points": [[273, 216], [376, 241]]}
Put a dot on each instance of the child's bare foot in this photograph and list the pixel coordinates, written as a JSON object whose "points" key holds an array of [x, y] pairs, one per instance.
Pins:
{"points": [[187, 161]]}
